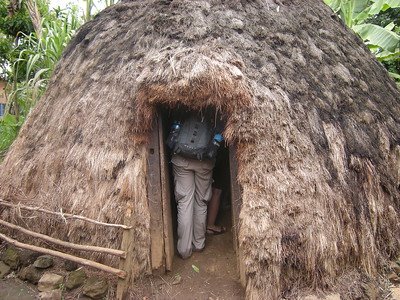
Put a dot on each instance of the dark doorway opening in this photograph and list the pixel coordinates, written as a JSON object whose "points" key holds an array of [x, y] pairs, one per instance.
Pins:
{"points": [[221, 253], [221, 176]]}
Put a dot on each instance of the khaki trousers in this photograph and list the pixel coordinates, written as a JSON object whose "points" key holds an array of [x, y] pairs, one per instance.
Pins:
{"points": [[193, 179]]}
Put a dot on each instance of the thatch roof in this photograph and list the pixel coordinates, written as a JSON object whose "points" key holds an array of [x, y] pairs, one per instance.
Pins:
{"points": [[314, 116]]}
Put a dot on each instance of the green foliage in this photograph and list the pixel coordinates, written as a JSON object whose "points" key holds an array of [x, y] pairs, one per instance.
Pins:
{"points": [[27, 65], [19, 22], [37, 61], [27, 61], [9, 128], [378, 24]]}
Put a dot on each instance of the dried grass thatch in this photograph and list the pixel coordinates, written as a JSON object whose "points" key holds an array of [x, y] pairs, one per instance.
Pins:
{"points": [[315, 118]]}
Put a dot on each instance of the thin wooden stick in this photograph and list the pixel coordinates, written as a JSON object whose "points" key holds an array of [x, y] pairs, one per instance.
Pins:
{"points": [[119, 253], [76, 259], [63, 215]]}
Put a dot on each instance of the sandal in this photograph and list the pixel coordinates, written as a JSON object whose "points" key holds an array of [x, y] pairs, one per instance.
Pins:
{"points": [[212, 231]]}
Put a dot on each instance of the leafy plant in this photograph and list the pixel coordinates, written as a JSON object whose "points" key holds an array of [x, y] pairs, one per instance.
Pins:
{"points": [[28, 65], [363, 17], [9, 128], [32, 41]]}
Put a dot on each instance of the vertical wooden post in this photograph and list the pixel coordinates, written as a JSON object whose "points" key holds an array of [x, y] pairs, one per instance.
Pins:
{"points": [[155, 202], [166, 200], [129, 243], [236, 200], [127, 263]]}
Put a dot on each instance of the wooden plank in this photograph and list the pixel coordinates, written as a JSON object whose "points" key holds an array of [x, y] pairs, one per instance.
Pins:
{"points": [[166, 200], [127, 264], [155, 202], [236, 199], [128, 244]]}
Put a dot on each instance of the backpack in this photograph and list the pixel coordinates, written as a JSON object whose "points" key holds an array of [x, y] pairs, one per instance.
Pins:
{"points": [[193, 139]]}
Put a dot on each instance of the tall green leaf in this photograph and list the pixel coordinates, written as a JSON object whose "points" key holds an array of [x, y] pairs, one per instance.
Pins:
{"points": [[379, 36]]}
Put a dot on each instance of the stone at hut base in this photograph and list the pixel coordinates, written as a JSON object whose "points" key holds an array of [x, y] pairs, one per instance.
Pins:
{"points": [[11, 257], [70, 265], [75, 279], [4, 269], [30, 274], [51, 295], [95, 288], [28, 257], [50, 281], [44, 262]]}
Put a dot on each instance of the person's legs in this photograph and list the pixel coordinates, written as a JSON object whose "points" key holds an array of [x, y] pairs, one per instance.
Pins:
{"points": [[212, 211], [184, 196], [203, 180]]}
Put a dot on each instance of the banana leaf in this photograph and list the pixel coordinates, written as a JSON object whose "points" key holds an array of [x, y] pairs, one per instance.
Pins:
{"points": [[379, 36]]}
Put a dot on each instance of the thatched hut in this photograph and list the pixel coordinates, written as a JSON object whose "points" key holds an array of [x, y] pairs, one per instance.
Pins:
{"points": [[312, 117]]}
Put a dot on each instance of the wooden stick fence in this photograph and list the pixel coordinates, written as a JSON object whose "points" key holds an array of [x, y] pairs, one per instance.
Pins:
{"points": [[119, 253], [122, 254], [86, 262], [61, 214]]}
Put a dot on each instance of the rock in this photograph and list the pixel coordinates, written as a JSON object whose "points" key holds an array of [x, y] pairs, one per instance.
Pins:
{"points": [[394, 267], [50, 281], [95, 288], [394, 278], [51, 295], [30, 274], [12, 258], [70, 265], [44, 262], [75, 279], [4, 270], [28, 257]]}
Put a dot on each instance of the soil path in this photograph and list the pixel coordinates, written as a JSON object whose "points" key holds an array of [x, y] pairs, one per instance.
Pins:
{"points": [[211, 274], [15, 289]]}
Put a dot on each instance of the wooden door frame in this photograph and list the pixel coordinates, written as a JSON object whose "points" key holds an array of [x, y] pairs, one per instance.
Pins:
{"points": [[154, 195], [236, 204], [159, 200], [159, 196], [169, 246]]}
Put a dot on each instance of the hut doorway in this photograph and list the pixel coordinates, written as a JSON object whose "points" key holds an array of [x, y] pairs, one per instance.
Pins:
{"points": [[162, 203]]}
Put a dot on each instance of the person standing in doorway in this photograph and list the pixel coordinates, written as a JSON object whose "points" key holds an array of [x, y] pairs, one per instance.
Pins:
{"points": [[219, 188], [194, 141]]}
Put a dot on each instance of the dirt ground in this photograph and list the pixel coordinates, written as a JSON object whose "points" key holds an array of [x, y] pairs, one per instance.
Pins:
{"points": [[14, 289], [210, 274]]}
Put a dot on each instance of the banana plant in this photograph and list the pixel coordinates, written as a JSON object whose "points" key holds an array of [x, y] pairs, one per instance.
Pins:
{"points": [[384, 42]]}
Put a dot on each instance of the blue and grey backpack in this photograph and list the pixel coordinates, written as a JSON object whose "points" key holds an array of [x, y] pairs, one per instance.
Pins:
{"points": [[194, 138]]}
